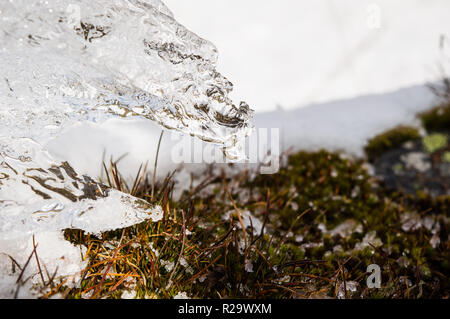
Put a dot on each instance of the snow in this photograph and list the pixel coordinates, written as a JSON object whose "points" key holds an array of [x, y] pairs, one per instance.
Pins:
{"points": [[248, 220], [128, 294], [55, 255], [316, 51], [248, 266], [347, 124], [181, 295]]}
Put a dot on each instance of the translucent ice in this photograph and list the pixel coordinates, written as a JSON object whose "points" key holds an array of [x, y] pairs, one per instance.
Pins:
{"points": [[66, 62], [87, 60]]}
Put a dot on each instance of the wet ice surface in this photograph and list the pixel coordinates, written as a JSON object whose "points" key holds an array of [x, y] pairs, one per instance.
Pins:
{"points": [[93, 60], [66, 63]]}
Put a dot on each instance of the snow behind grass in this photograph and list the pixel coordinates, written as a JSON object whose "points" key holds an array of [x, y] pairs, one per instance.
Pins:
{"points": [[347, 125], [316, 51]]}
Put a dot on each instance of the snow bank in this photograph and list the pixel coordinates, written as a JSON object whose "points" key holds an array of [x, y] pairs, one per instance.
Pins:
{"points": [[347, 124]]}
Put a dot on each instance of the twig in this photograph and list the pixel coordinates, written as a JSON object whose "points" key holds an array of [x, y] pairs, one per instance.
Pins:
{"points": [[107, 175], [181, 252], [38, 264], [241, 221], [99, 287], [156, 163], [19, 279], [290, 229], [15, 262], [266, 218]]}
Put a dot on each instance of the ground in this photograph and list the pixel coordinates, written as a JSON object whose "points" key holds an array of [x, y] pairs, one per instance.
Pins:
{"points": [[310, 231]]}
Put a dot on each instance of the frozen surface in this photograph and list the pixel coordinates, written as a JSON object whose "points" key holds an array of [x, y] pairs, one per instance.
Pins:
{"points": [[67, 63], [91, 60]]}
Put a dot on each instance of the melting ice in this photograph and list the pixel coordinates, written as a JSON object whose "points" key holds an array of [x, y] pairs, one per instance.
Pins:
{"points": [[65, 62]]}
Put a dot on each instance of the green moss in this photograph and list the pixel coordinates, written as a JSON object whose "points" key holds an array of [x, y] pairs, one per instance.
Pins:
{"points": [[301, 206], [446, 157], [434, 142], [390, 139], [398, 168], [437, 119]]}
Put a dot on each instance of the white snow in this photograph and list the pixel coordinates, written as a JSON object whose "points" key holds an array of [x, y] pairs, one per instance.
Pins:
{"points": [[247, 219], [248, 266], [131, 294], [55, 255], [181, 295], [347, 124], [168, 265], [315, 51]]}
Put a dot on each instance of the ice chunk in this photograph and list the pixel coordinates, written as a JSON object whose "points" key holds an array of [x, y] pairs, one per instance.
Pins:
{"points": [[63, 63], [89, 60], [34, 199]]}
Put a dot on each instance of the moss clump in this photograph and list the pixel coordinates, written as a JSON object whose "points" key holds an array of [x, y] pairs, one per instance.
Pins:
{"points": [[434, 142], [437, 119], [390, 139]]}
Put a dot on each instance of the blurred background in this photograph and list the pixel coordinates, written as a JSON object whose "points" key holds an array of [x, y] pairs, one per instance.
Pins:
{"points": [[293, 53]]}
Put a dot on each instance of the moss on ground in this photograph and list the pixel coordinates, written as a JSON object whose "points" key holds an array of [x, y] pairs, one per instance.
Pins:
{"points": [[317, 225], [446, 157], [437, 119], [408, 164], [435, 142]]}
